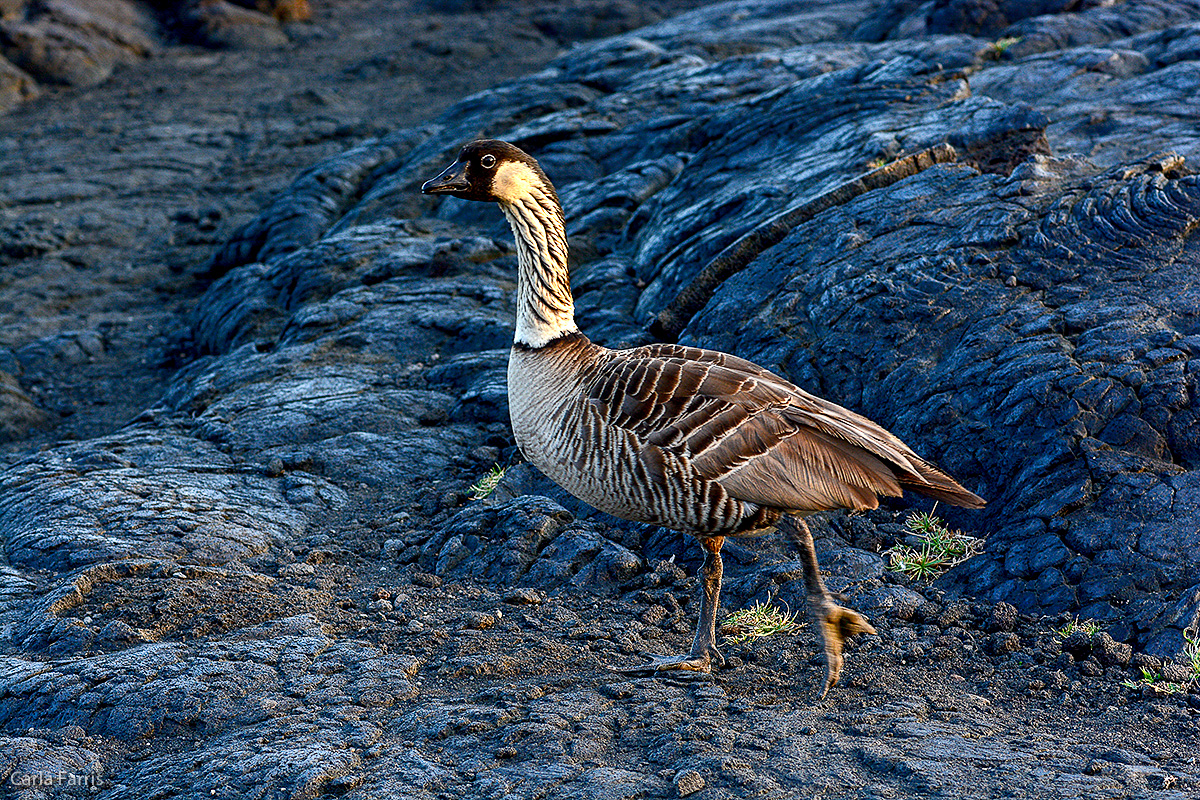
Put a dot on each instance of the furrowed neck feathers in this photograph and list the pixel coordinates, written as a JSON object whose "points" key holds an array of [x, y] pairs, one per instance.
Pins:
{"points": [[545, 308]]}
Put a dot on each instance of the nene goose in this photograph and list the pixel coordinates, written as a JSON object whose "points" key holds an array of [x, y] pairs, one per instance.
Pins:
{"points": [[694, 440]]}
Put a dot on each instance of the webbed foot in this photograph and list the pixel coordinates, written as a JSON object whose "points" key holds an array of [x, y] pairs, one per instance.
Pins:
{"points": [[704, 652], [702, 662], [836, 624]]}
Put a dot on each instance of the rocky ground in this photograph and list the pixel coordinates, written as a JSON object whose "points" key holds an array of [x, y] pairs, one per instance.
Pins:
{"points": [[249, 376]]}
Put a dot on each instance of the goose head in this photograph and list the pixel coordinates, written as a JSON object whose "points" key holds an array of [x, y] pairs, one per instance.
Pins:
{"points": [[489, 169]]}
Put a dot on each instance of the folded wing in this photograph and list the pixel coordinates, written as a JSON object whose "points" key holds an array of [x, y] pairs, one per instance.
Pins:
{"points": [[763, 439]]}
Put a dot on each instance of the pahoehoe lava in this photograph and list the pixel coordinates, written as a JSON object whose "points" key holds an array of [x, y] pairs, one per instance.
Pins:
{"points": [[251, 374]]}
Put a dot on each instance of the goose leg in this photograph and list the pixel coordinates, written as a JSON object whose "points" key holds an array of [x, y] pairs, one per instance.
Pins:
{"points": [[705, 643], [704, 647], [834, 623]]}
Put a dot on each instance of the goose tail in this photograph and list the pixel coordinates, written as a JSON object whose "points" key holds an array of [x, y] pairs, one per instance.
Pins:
{"points": [[940, 486]]}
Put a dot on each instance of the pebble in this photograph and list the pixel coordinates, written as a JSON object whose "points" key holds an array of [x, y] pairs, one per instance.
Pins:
{"points": [[688, 782], [523, 596], [478, 620], [426, 579]]}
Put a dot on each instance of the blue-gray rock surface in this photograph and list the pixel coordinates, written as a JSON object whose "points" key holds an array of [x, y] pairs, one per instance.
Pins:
{"points": [[277, 580]]}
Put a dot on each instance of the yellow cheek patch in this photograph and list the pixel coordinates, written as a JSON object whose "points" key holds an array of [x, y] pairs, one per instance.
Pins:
{"points": [[513, 180]]}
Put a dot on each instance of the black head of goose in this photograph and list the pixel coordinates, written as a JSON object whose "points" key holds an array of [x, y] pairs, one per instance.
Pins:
{"points": [[695, 440]]}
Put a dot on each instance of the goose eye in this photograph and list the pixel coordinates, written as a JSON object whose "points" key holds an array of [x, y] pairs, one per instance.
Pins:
{"points": [[487, 161]]}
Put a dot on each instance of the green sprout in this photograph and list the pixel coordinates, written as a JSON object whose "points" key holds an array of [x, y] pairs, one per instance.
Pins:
{"points": [[1191, 660], [999, 47], [938, 548], [1151, 678], [487, 484], [1088, 626], [756, 622], [1191, 654]]}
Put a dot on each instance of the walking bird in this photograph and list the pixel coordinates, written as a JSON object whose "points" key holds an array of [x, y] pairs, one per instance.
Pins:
{"points": [[695, 440]]}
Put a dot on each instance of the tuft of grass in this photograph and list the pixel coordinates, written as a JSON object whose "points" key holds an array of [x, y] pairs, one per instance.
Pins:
{"points": [[1150, 678], [1191, 654], [999, 47], [938, 548], [487, 484], [1191, 660], [1088, 626], [758, 621], [878, 163]]}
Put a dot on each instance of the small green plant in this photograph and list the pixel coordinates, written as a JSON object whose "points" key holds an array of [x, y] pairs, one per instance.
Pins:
{"points": [[1191, 661], [1088, 626], [1191, 654], [1151, 678], [938, 548], [756, 622], [925, 524], [878, 163], [999, 47], [487, 484]]}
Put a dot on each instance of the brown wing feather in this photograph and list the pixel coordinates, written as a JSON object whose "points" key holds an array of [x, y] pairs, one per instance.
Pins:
{"points": [[763, 439], [809, 471]]}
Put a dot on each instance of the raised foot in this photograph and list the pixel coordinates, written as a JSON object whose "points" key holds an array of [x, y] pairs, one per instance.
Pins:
{"points": [[836, 624], [690, 663]]}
